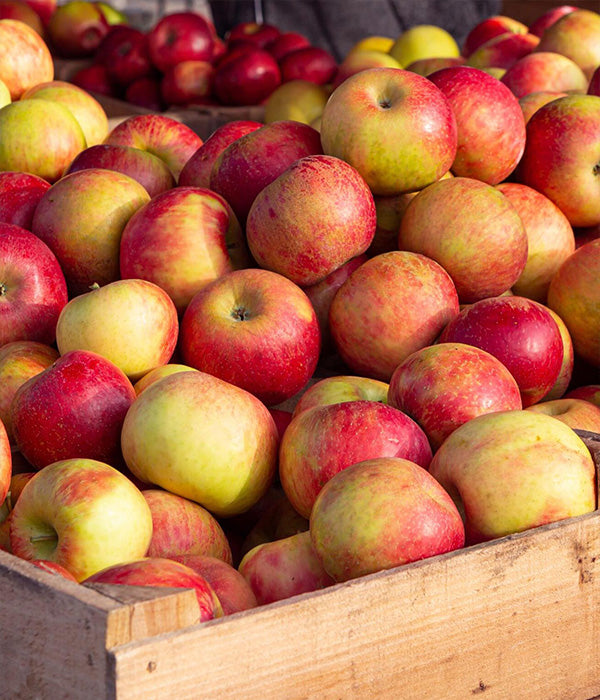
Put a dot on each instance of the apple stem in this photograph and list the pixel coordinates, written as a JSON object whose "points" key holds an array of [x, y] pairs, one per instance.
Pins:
{"points": [[42, 538]]}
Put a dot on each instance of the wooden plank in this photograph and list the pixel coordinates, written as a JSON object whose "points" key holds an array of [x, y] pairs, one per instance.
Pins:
{"points": [[513, 618]]}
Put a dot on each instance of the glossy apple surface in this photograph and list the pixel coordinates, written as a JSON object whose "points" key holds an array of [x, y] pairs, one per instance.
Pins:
{"points": [[19, 196], [180, 36], [25, 60]]}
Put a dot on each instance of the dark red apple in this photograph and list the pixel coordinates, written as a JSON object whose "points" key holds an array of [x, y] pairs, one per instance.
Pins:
{"points": [[286, 43], [180, 36], [187, 83], [539, 26], [145, 92], [246, 77], [259, 33], [94, 78], [311, 63], [124, 53], [19, 195]]}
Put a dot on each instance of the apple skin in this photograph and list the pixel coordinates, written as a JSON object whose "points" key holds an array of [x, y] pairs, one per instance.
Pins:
{"points": [[519, 332], [259, 34], [158, 373], [489, 120], [299, 100], [162, 572], [316, 216], [578, 414], [32, 287], [20, 10], [390, 306], [340, 388], [74, 408], [568, 128], [44, 8], [149, 170], [445, 385], [356, 60], [426, 66], [124, 53], [19, 196], [252, 161], [180, 36], [94, 79], [532, 102], [187, 83], [53, 567], [255, 329], [196, 172], [546, 19], [19, 361], [76, 29], [394, 126], [231, 588], [145, 92], [180, 526], [81, 219], [5, 463], [550, 239], [312, 63], [503, 51], [544, 71], [565, 376], [423, 41], [25, 60], [515, 470], [159, 134], [587, 392], [284, 568], [82, 514], [379, 514], [472, 230], [16, 484], [322, 441], [246, 77], [487, 29], [217, 443], [131, 322], [286, 42]]}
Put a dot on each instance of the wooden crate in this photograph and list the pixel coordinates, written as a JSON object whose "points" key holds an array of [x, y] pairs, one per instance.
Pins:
{"points": [[513, 618]]}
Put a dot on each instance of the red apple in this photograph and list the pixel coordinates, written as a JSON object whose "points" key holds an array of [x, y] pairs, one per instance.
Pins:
{"points": [[260, 34], [44, 8], [487, 29], [19, 196], [587, 392], [312, 63], [20, 10], [25, 59], [180, 36], [533, 101], [76, 29], [503, 50], [53, 567], [246, 77], [594, 85], [285, 43], [187, 83], [124, 53], [544, 71], [565, 375], [5, 463], [548, 18], [94, 79]]}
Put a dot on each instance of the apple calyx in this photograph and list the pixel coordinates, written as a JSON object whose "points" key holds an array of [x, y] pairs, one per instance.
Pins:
{"points": [[3, 289], [240, 314], [596, 169]]}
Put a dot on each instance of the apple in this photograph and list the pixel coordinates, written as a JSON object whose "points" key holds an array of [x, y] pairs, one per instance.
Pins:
{"points": [[286, 42], [4, 94], [252, 161], [426, 66], [196, 172], [389, 211], [356, 61], [81, 219], [574, 295], [180, 36], [82, 514], [534, 100], [488, 28], [180, 526], [124, 53], [519, 332], [565, 376], [25, 59], [299, 100], [544, 71], [392, 305], [246, 77], [159, 134], [32, 287], [53, 567], [158, 373], [587, 392], [19, 196], [316, 216], [312, 63], [579, 414], [74, 408], [255, 329], [260, 34], [131, 322], [16, 484], [568, 128], [340, 388], [113, 16], [503, 51], [284, 568], [322, 441], [374, 42], [149, 170], [76, 28], [489, 120], [549, 17], [44, 8], [594, 84], [5, 463], [515, 470], [20, 10], [394, 126], [204, 439], [19, 361], [145, 92], [39, 137], [94, 79], [472, 230], [423, 41], [379, 514], [187, 83]]}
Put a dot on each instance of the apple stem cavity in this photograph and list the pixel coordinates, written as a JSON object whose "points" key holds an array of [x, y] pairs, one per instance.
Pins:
{"points": [[2, 289], [43, 538], [240, 314], [385, 104]]}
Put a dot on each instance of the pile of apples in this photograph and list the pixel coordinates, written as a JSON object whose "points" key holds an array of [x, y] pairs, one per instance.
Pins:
{"points": [[286, 357]]}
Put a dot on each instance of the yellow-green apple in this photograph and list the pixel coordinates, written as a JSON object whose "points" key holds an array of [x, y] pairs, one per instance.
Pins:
{"points": [[547, 18], [487, 29], [149, 170], [503, 50], [53, 567], [82, 514], [124, 54], [204, 439], [131, 322], [316, 216], [286, 42], [19, 196], [299, 100], [246, 76], [284, 568], [258, 33], [86, 109], [426, 66], [489, 120], [25, 59], [534, 100], [33, 290], [162, 572], [575, 296], [179, 241], [565, 375], [74, 408], [39, 137], [423, 41], [544, 71], [252, 161], [575, 35], [382, 513], [513, 470], [472, 230], [392, 305], [196, 172], [312, 63], [113, 16], [550, 239], [519, 332], [357, 60], [340, 388], [587, 392], [20, 10], [5, 463], [445, 385], [180, 36], [145, 92], [165, 137], [19, 361], [158, 373], [76, 28], [322, 441], [375, 42], [568, 128], [394, 126], [231, 588], [94, 78], [255, 329], [578, 414], [187, 83], [180, 526]]}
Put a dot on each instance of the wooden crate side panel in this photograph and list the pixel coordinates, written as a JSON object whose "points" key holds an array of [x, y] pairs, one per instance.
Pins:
{"points": [[512, 618]]}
